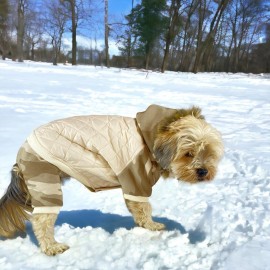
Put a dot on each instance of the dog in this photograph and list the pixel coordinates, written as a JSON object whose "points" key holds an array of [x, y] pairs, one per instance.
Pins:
{"points": [[105, 152]]}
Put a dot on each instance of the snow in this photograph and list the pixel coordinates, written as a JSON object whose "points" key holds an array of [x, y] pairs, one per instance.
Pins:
{"points": [[223, 225]]}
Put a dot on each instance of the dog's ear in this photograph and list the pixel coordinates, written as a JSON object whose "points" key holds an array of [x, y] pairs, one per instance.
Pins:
{"points": [[166, 139], [165, 149], [193, 111]]}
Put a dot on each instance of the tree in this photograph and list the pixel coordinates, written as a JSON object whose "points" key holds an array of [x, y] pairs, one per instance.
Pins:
{"points": [[22, 5], [183, 35], [188, 35], [148, 25], [55, 20], [204, 48], [72, 7], [34, 30], [107, 56], [244, 20], [78, 13], [4, 11], [126, 38], [173, 27]]}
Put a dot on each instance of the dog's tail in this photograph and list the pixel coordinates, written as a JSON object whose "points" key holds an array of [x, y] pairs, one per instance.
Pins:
{"points": [[15, 205]]}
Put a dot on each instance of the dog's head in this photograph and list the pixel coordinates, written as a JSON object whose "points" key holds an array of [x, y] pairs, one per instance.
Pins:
{"points": [[188, 147]]}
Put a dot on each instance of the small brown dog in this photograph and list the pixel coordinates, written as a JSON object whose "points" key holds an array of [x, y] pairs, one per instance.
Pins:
{"points": [[105, 152]]}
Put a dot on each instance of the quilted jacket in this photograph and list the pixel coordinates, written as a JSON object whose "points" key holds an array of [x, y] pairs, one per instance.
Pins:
{"points": [[104, 152]]}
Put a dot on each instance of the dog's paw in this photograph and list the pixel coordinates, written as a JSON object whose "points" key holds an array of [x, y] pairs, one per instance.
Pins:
{"points": [[54, 249], [154, 226]]}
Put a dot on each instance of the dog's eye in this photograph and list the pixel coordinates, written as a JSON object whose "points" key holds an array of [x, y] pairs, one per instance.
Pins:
{"points": [[188, 154]]}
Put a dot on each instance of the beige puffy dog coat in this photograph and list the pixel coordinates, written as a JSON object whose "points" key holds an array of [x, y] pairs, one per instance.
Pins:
{"points": [[100, 151]]}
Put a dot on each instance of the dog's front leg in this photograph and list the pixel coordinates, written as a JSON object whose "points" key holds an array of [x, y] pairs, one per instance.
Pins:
{"points": [[43, 226], [142, 214]]}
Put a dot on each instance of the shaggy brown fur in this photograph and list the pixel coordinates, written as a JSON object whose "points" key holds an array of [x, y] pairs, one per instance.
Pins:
{"points": [[142, 214], [15, 205], [186, 144], [43, 226]]}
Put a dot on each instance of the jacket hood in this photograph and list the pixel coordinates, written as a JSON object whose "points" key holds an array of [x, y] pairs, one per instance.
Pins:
{"points": [[149, 120]]}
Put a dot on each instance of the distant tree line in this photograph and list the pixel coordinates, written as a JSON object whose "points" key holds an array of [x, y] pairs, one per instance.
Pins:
{"points": [[179, 35], [35, 30], [198, 35]]}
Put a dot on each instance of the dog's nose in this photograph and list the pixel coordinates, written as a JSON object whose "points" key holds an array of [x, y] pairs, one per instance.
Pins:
{"points": [[202, 172]]}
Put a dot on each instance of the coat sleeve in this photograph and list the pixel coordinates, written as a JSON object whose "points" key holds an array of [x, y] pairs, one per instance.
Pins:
{"points": [[139, 176]]}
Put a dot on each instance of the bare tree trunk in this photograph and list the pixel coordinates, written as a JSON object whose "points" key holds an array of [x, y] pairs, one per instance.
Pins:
{"points": [[74, 19], [166, 56], [106, 34], [4, 40], [229, 55], [186, 45], [55, 53], [32, 51], [147, 60], [202, 8], [129, 52], [20, 29], [56, 23], [247, 51], [172, 31], [74, 32]]}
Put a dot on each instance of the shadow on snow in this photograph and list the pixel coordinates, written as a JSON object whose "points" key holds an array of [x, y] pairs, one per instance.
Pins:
{"points": [[110, 223]]}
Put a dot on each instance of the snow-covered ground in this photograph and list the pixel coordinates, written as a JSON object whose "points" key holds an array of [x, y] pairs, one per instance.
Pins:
{"points": [[224, 225]]}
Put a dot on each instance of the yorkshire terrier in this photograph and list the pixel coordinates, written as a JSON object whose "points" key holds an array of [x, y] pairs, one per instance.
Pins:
{"points": [[105, 152]]}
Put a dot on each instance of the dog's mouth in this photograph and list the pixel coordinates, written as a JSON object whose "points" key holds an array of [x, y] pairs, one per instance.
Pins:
{"points": [[194, 178]]}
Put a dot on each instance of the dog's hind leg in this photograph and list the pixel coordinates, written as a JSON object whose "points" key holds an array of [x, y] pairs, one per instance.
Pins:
{"points": [[142, 214], [43, 226], [43, 181]]}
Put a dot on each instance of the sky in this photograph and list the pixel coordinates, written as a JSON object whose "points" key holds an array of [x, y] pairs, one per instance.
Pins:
{"points": [[120, 6]]}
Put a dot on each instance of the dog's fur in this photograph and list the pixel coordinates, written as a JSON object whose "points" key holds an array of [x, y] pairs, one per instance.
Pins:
{"points": [[185, 146]]}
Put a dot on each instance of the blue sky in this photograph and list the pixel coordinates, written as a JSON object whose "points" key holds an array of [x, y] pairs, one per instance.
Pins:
{"points": [[119, 6], [124, 6]]}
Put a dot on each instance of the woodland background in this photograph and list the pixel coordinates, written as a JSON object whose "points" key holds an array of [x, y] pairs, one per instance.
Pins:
{"points": [[178, 35]]}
